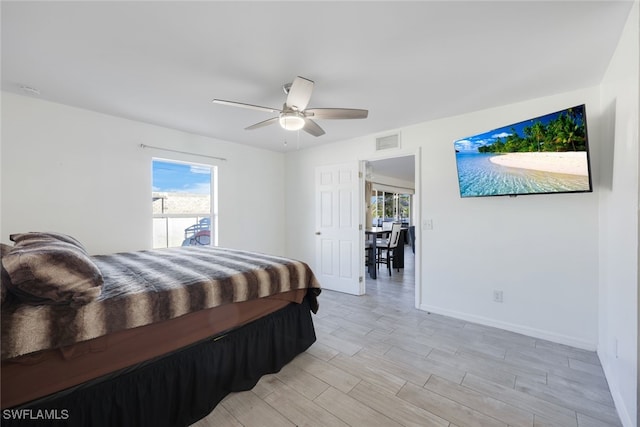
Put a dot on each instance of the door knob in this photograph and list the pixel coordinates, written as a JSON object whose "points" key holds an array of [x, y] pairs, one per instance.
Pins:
{"points": [[318, 233]]}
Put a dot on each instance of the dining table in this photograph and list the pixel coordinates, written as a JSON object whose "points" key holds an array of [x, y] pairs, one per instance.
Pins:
{"points": [[372, 235]]}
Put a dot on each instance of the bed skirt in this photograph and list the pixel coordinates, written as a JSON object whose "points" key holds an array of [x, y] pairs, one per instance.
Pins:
{"points": [[180, 388]]}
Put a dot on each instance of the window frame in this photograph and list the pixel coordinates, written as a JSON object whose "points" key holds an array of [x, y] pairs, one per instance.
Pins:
{"points": [[213, 198]]}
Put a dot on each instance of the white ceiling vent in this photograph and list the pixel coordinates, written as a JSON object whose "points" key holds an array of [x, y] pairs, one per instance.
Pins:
{"points": [[388, 142]]}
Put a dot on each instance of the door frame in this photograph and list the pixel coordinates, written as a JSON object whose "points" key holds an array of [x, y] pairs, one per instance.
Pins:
{"points": [[417, 206]]}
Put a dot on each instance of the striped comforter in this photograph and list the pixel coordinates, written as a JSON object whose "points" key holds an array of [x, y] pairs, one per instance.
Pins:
{"points": [[146, 287]]}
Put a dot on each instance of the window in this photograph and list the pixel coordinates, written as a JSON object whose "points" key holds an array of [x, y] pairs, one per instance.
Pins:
{"points": [[183, 196], [388, 206]]}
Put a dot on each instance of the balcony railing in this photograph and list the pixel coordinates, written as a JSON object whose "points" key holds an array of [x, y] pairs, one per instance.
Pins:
{"points": [[171, 230]]}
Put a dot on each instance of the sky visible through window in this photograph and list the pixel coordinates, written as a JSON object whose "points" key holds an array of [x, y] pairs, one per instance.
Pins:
{"points": [[181, 177]]}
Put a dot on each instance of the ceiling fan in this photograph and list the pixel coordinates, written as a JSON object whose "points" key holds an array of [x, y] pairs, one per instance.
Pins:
{"points": [[294, 114]]}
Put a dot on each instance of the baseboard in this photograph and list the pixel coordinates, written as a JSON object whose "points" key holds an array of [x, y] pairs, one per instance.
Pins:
{"points": [[623, 412], [532, 332]]}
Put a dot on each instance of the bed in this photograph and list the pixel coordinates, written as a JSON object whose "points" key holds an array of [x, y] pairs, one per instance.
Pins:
{"points": [[154, 337]]}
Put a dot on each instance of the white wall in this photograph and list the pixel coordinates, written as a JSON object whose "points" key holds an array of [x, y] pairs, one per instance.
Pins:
{"points": [[540, 250], [83, 173], [618, 291]]}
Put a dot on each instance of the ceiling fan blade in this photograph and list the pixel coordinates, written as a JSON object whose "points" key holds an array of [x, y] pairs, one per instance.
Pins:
{"points": [[262, 123], [337, 113], [250, 106], [312, 127], [299, 93]]}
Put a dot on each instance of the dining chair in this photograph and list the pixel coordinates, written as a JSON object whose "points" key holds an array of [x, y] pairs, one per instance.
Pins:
{"points": [[412, 237], [367, 247], [385, 249]]}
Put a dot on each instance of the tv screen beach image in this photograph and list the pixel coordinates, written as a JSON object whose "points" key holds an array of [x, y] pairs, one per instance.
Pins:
{"points": [[547, 154]]}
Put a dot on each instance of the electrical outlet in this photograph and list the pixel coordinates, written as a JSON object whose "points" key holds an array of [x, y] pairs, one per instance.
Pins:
{"points": [[497, 296], [427, 224]]}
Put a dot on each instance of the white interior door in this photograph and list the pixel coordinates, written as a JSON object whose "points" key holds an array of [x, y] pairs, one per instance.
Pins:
{"points": [[339, 252]]}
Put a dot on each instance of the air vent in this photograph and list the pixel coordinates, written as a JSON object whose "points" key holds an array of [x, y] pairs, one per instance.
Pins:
{"points": [[388, 142]]}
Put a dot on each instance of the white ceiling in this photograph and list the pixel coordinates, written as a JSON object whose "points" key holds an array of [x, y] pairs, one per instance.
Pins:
{"points": [[402, 168], [407, 62]]}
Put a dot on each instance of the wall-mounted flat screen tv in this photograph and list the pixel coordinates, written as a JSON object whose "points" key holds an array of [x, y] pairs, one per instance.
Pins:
{"points": [[543, 155]]}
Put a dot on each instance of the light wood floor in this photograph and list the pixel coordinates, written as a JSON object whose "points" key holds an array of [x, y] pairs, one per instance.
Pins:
{"points": [[380, 362]]}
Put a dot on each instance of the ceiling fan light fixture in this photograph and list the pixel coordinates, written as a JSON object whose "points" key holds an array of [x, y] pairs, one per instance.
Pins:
{"points": [[292, 120]]}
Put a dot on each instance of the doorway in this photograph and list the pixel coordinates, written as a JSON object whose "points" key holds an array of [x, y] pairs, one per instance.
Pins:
{"points": [[392, 195]]}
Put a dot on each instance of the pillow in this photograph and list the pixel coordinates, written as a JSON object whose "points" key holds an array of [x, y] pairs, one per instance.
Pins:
{"points": [[51, 268], [4, 276], [40, 236]]}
